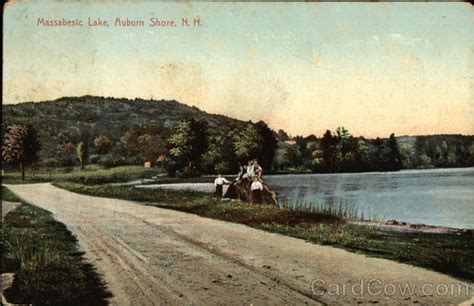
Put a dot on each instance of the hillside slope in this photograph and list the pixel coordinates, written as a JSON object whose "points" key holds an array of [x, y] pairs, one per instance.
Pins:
{"points": [[66, 119]]}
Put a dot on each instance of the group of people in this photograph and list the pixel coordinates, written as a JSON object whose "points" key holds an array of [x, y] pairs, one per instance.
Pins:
{"points": [[253, 172]]}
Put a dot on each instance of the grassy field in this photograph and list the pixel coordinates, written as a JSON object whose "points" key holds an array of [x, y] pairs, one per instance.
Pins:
{"points": [[45, 258], [447, 253], [93, 175]]}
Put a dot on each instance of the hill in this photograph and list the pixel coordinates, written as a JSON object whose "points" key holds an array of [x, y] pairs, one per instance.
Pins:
{"points": [[66, 119]]}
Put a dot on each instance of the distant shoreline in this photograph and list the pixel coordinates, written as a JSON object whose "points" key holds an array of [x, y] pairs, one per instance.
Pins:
{"points": [[405, 227], [362, 172]]}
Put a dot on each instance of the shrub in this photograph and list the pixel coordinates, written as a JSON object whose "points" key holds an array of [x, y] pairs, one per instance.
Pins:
{"points": [[94, 159], [51, 162]]}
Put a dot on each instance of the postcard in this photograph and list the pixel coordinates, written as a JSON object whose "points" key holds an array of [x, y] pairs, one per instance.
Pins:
{"points": [[237, 153]]}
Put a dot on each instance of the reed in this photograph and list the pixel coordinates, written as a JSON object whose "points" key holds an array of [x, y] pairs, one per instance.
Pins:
{"points": [[342, 209]]}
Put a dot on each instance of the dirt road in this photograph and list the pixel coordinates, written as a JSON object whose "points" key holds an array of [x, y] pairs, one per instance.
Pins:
{"points": [[151, 256]]}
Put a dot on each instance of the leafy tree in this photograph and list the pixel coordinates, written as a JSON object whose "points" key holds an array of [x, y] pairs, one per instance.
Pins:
{"points": [[419, 151], [425, 161], [395, 158], [347, 146], [470, 161], [382, 155], [451, 160], [362, 155], [246, 143], [342, 133], [440, 154], [317, 161], [220, 157], [66, 148], [82, 153], [66, 154], [311, 138], [302, 145], [268, 144], [281, 159], [386, 155], [288, 156], [294, 156], [328, 148], [306, 146], [187, 145], [311, 146], [407, 156], [256, 141], [102, 144], [21, 146], [282, 135], [145, 140]]}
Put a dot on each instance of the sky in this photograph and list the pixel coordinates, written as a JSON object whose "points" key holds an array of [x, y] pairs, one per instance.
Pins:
{"points": [[374, 68]]}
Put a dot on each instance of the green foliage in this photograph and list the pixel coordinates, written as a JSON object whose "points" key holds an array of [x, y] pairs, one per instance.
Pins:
{"points": [[256, 141], [146, 140], [187, 145], [129, 131], [66, 148], [281, 159], [282, 135], [342, 152], [102, 144], [66, 154], [220, 157], [268, 143], [386, 155], [82, 153], [91, 174], [342, 133], [407, 155], [246, 144], [112, 160], [287, 156], [66, 119], [20, 146], [440, 151]]}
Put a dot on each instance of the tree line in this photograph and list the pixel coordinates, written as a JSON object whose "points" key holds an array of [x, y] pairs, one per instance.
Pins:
{"points": [[188, 149], [193, 148], [339, 151]]}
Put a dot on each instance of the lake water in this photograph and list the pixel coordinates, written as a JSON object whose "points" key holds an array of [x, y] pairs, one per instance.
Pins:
{"points": [[442, 197]]}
